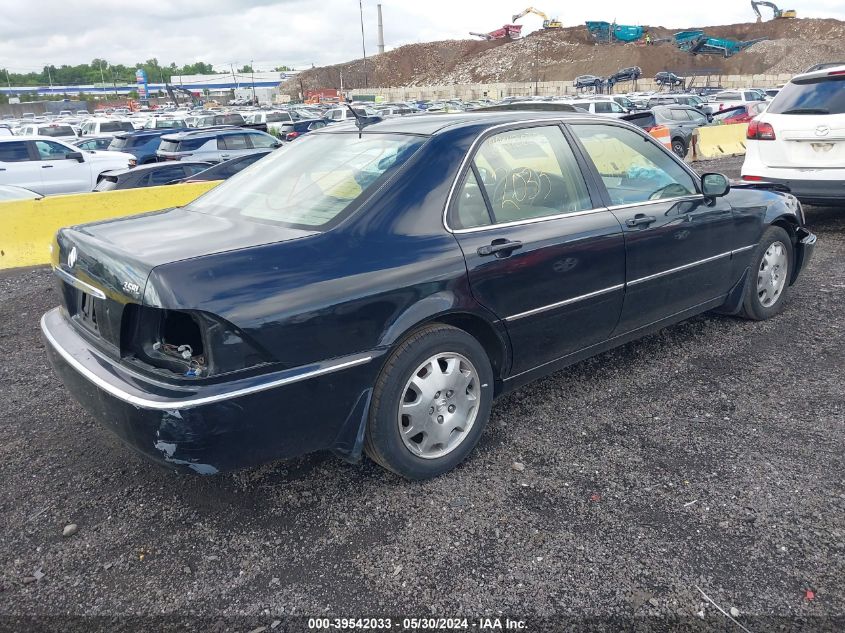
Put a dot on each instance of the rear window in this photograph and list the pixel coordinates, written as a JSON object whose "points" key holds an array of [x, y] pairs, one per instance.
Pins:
{"points": [[57, 130], [106, 183], [313, 183], [825, 95], [116, 126], [277, 117], [119, 143], [185, 145], [229, 119]]}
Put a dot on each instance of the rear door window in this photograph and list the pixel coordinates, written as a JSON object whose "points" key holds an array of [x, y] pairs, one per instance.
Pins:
{"points": [[234, 142], [264, 141], [825, 95], [166, 175], [526, 174], [14, 152]]}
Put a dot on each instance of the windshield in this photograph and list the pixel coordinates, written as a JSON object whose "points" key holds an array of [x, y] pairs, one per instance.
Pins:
{"points": [[825, 95], [116, 126], [312, 183]]}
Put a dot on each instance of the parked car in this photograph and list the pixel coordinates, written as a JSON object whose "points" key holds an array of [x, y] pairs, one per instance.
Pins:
{"points": [[375, 291], [149, 175], [666, 78], [11, 192], [740, 114], [291, 131], [626, 74], [142, 144], [236, 119], [799, 141], [51, 130], [46, 165], [104, 127], [679, 119], [273, 121], [214, 145], [93, 143], [228, 168], [604, 106], [366, 114], [682, 99], [730, 98], [588, 81]]}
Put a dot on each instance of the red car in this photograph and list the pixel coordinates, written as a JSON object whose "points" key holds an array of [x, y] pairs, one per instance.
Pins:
{"points": [[740, 114]]}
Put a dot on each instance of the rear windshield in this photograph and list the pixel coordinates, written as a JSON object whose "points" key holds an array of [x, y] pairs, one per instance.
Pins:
{"points": [[116, 126], [312, 183], [825, 95], [276, 117], [106, 183], [185, 145], [56, 130], [119, 143], [167, 123], [229, 119]]}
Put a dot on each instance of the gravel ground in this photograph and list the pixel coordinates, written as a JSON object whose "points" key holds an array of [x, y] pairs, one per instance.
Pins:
{"points": [[707, 456]]}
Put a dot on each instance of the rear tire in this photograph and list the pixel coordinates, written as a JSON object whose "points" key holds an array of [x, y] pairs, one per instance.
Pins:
{"points": [[430, 404], [771, 270], [679, 147]]}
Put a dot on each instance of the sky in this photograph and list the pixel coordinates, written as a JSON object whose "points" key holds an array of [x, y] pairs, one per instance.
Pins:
{"points": [[299, 33]]}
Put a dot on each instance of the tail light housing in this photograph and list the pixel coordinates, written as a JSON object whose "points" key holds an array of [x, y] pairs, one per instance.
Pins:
{"points": [[760, 131], [291, 135]]}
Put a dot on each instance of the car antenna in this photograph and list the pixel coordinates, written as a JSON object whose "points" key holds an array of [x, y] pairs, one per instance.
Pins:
{"points": [[358, 122]]}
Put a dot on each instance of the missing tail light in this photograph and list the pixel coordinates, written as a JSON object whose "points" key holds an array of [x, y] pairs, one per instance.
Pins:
{"points": [[186, 343]]}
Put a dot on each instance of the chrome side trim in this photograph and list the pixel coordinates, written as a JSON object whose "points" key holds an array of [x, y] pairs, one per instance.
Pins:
{"points": [[677, 269], [743, 249], [187, 403], [545, 218], [78, 283], [631, 205], [565, 302]]}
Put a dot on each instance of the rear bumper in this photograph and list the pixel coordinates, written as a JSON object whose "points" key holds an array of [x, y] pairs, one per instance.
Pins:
{"points": [[814, 191], [813, 186], [208, 428]]}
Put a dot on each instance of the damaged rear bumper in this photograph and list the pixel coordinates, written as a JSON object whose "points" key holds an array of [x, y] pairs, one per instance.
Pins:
{"points": [[211, 427]]}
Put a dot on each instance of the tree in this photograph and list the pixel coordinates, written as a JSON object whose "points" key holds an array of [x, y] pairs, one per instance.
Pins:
{"points": [[282, 69], [246, 69]]}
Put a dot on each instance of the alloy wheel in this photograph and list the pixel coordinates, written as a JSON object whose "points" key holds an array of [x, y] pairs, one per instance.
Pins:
{"points": [[771, 276]]}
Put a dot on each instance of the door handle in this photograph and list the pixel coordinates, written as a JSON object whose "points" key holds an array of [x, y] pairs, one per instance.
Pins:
{"points": [[505, 247], [46, 167], [640, 220]]}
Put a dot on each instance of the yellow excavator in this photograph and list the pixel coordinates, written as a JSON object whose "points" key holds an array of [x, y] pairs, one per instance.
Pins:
{"points": [[779, 14], [548, 23]]}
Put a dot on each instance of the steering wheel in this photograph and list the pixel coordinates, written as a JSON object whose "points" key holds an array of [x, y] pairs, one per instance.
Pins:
{"points": [[679, 190], [524, 186]]}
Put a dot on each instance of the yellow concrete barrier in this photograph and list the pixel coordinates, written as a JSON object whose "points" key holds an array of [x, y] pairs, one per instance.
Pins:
{"points": [[27, 227], [717, 141]]}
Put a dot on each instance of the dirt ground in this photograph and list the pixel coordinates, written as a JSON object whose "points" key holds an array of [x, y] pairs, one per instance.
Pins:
{"points": [[706, 459], [791, 46]]}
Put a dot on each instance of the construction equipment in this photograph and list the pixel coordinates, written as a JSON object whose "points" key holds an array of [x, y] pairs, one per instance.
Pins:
{"points": [[699, 43], [606, 32], [172, 90], [511, 31], [779, 14], [548, 23]]}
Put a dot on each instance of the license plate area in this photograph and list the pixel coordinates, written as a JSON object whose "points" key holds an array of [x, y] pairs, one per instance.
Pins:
{"points": [[87, 312]]}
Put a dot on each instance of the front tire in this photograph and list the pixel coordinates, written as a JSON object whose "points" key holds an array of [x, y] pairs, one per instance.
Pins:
{"points": [[771, 270], [679, 147], [430, 404]]}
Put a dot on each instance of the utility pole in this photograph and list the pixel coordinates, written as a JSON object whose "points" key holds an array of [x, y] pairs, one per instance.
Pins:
{"points": [[363, 45], [49, 78], [102, 76], [252, 69], [235, 79], [380, 32], [536, 65]]}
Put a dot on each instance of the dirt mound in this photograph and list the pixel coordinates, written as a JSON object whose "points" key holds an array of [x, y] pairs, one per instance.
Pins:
{"points": [[790, 47]]}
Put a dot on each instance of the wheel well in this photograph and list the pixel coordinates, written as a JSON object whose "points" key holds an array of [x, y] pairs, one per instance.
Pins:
{"points": [[789, 225], [481, 331]]}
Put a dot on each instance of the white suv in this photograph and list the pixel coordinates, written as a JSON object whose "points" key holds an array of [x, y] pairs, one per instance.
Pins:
{"points": [[46, 166], [799, 141]]}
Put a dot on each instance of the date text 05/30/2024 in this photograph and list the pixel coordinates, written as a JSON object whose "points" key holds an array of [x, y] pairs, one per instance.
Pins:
{"points": [[479, 624]]}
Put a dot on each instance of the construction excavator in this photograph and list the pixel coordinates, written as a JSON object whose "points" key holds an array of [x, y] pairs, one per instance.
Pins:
{"points": [[779, 14], [548, 23]]}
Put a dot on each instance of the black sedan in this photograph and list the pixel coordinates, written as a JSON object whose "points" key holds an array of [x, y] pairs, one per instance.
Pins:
{"points": [[373, 290], [626, 74], [150, 175]]}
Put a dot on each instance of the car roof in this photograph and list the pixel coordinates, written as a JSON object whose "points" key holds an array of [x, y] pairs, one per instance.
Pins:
{"points": [[430, 124], [210, 132], [33, 137], [823, 72], [154, 166]]}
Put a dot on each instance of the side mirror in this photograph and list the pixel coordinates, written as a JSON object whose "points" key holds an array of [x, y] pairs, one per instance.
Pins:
{"points": [[77, 156], [714, 185]]}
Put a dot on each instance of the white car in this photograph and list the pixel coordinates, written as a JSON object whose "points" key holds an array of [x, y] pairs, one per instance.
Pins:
{"points": [[799, 141], [62, 132], [105, 127], [733, 98], [48, 166], [606, 106]]}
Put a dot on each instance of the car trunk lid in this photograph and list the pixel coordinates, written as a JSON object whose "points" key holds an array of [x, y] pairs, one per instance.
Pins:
{"points": [[805, 141], [104, 266]]}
